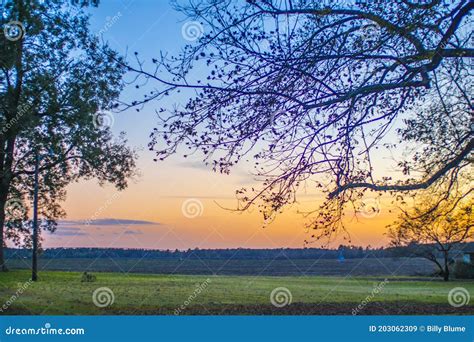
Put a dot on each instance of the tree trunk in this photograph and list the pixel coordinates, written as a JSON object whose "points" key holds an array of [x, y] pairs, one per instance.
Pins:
{"points": [[3, 266], [3, 202], [446, 274], [34, 260], [6, 162], [446, 266]]}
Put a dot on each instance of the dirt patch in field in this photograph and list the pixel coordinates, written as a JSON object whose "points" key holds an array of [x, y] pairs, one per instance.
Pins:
{"points": [[375, 308], [335, 309]]}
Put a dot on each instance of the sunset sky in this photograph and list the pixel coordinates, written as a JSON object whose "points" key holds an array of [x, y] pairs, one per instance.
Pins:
{"points": [[157, 210]]}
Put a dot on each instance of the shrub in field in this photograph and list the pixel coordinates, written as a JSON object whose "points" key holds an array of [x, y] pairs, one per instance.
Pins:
{"points": [[463, 270], [88, 278]]}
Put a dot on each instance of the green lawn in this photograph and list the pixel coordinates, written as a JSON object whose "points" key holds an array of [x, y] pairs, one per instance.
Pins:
{"points": [[64, 293]]}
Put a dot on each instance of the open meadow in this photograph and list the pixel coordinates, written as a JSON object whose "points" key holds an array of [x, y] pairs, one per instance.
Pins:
{"points": [[63, 293]]}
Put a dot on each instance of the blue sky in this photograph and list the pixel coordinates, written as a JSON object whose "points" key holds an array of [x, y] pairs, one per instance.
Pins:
{"points": [[158, 209]]}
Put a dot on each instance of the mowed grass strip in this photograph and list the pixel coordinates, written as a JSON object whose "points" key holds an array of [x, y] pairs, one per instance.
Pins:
{"points": [[64, 293]]}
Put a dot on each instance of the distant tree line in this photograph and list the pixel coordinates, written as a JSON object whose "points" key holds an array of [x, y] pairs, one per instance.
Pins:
{"points": [[341, 253]]}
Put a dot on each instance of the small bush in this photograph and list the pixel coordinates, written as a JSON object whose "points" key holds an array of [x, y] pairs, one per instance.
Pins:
{"points": [[463, 270], [88, 277]]}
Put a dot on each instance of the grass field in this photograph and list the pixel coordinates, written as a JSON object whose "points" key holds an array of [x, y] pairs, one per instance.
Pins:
{"points": [[63, 293]]}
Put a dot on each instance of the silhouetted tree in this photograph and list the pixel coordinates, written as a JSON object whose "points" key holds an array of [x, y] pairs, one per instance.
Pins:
{"points": [[309, 89], [433, 226], [56, 78]]}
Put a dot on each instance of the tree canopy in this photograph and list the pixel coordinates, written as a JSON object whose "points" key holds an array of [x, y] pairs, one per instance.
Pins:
{"points": [[57, 83], [311, 92], [431, 226]]}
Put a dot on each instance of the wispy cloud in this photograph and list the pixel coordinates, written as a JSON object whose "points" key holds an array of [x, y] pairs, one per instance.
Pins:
{"points": [[69, 231], [195, 165], [132, 232], [107, 222], [199, 197], [69, 228]]}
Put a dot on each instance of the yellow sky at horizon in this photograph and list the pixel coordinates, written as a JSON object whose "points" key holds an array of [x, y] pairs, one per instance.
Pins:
{"points": [[171, 196]]}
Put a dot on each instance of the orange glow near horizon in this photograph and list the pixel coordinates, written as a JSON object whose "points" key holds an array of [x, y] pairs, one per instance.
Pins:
{"points": [[161, 195]]}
